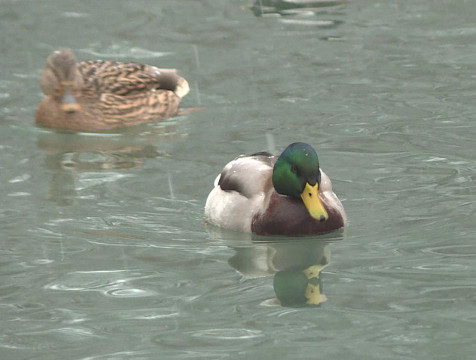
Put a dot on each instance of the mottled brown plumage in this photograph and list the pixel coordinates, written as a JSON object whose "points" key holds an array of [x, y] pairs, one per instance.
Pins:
{"points": [[103, 95]]}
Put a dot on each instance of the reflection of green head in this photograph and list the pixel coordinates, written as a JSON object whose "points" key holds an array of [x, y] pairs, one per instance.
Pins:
{"points": [[297, 165], [298, 288]]}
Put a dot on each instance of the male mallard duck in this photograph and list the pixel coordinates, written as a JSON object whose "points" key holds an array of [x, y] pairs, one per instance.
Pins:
{"points": [[269, 195], [102, 95]]}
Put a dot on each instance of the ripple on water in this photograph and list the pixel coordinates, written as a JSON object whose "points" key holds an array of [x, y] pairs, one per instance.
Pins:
{"points": [[20, 178], [454, 250], [59, 338], [19, 193], [110, 283], [129, 293], [122, 51], [228, 334], [42, 261], [451, 293], [208, 340], [87, 180], [141, 354], [74, 15], [148, 314]]}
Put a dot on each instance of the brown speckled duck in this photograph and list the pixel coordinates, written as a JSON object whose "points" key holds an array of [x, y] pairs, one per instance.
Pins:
{"points": [[103, 95], [270, 195]]}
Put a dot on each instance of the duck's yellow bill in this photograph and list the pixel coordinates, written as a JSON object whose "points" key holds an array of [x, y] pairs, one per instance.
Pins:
{"points": [[310, 198]]}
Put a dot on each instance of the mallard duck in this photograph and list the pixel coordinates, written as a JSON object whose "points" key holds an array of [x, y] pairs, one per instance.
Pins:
{"points": [[270, 195], [102, 95]]}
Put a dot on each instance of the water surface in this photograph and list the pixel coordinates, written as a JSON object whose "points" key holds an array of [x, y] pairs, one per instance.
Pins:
{"points": [[104, 250]]}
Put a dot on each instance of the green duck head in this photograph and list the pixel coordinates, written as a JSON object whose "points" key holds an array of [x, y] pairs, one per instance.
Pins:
{"points": [[297, 174]]}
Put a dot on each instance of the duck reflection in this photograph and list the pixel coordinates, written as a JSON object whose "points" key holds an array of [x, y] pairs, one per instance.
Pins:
{"points": [[295, 264], [296, 11], [69, 154]]}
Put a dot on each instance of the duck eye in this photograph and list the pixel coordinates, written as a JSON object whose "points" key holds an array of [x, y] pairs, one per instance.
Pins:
{"points": [[295, 170]]}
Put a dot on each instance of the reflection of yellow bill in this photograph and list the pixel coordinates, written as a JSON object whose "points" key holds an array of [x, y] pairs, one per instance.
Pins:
{"points": [[313, 295], [313, 291], [310, 198]]}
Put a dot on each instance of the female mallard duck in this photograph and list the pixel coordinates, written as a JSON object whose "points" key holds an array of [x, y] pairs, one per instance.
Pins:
{"points": [[269, 195], [102, 95]]}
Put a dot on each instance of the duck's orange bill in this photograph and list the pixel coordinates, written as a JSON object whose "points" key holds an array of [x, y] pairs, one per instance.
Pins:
{"points": [[68, 101], [310, 198]]}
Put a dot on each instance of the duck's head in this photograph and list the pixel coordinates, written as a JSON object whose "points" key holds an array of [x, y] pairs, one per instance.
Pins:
{"points": [[297, 174], [60, 79]]}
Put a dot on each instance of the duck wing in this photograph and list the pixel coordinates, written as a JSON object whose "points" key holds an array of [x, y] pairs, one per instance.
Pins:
{"points": [[124, 79], [248, 175]]}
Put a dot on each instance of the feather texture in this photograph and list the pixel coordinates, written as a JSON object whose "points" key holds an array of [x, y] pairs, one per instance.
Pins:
{"points": [[107, 94]]}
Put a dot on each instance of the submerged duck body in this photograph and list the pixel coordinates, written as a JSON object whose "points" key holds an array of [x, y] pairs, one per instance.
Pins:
{"points": [[271, 195], [103, 95]]}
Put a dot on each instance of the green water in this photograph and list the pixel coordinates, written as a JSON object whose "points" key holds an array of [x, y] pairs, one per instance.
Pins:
{"points": [[103, 248]]}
